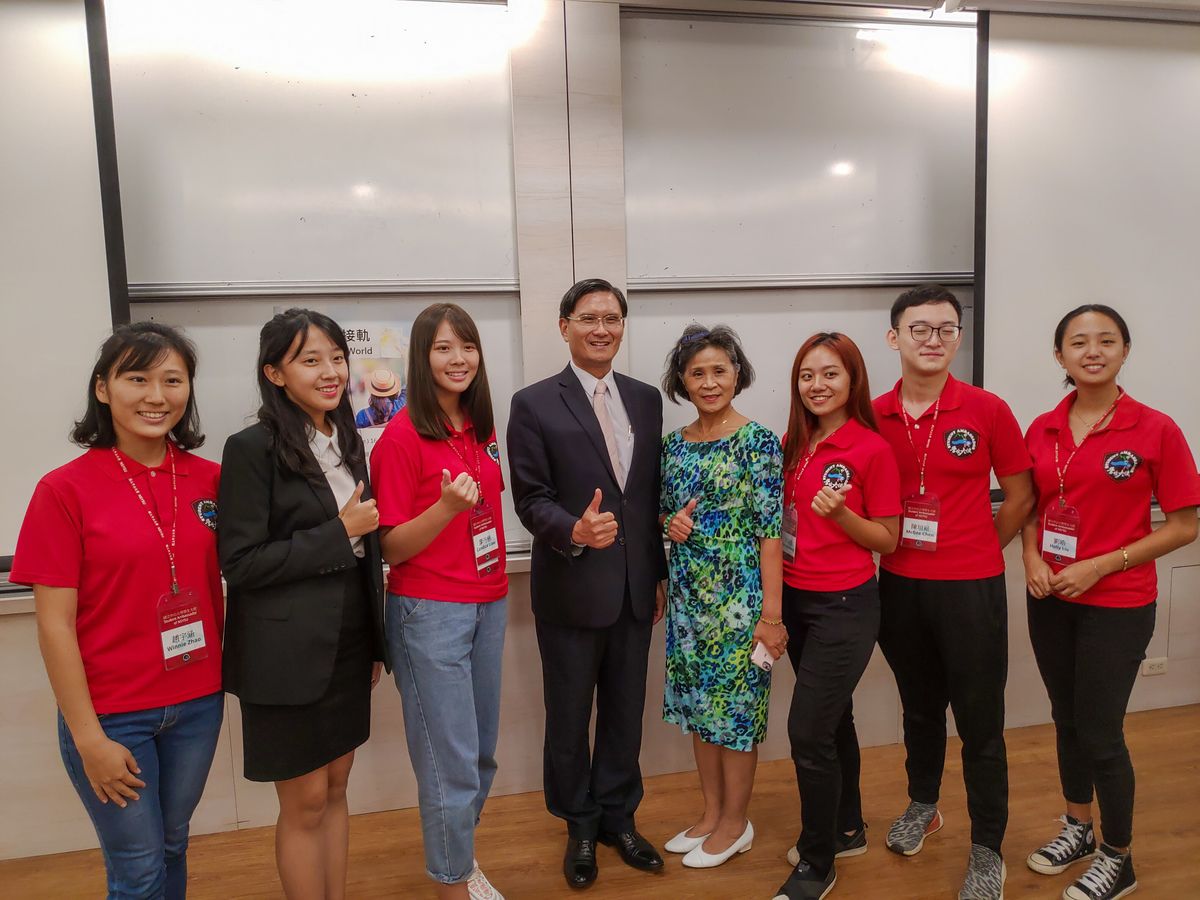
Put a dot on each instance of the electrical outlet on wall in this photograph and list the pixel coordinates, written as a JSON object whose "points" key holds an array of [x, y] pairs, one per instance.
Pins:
{"points": [[1156, 666]]}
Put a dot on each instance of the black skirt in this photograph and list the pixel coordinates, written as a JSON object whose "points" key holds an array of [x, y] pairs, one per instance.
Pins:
{"points": [[282, 742]]}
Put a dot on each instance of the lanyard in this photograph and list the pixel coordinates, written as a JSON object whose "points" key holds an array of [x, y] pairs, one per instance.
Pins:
{"points": [[170, 546], [1062, 471], [921, 460], [808, 457], [477, 472]]}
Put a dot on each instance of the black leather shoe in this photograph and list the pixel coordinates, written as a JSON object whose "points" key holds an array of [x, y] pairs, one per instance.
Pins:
{"points": [[635, 850], [579, 863]]}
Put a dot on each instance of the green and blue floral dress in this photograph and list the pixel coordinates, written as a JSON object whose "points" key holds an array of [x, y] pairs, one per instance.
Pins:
{"points": [[715, 595]]}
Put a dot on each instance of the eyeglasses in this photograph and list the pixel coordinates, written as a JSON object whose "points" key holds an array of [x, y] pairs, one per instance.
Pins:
{"points": [[589, 321], [948, 333]]}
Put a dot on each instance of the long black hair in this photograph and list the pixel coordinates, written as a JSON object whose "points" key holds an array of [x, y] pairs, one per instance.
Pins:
{"points": [[423, 409], [136, 348], [1060, 331], [287, 423]]}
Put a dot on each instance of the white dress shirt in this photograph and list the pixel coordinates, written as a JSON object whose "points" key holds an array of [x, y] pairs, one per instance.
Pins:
{"points": [[622, 429], [341, 482]]}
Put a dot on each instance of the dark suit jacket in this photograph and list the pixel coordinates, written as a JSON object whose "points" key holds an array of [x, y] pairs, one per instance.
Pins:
{"points": [[284, 554], [557, 459]]}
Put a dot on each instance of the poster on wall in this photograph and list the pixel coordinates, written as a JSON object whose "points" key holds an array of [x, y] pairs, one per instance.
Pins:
{"points": [[378, 354]]}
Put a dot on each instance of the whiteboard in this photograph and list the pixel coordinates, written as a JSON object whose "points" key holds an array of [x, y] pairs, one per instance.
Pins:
{"points": [[1093, 197], [772, 325], [226, 337], [797, 147], [368, 140]]}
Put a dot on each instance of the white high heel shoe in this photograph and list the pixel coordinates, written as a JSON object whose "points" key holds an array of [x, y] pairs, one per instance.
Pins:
{"points": [[698, 859], [681, 843]]}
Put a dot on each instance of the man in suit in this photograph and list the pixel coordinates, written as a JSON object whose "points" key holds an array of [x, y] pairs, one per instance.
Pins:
{"points": [[583, 450]]}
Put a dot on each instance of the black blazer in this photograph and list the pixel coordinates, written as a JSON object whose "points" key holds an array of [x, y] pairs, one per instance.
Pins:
{"points": [[557, 459], [284, 553]]}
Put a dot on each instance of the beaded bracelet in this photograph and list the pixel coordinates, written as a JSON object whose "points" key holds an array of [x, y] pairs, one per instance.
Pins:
{"points": [[771, 621]]}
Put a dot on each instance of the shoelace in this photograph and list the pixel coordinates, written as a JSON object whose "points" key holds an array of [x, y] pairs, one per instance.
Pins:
{"points": [[1100, 878], [1070, 836]]}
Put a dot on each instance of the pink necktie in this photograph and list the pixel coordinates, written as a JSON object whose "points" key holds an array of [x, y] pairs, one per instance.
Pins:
{"points": [[606, 428]]}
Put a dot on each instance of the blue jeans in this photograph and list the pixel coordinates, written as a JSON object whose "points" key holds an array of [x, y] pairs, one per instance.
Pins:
{"points": [[448, 658], [145, 844]]}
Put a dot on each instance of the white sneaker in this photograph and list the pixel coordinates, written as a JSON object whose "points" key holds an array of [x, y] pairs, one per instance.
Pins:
{"points": [[480, 888]]}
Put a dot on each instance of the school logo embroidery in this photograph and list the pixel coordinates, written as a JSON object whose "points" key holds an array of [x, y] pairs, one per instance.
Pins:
{"points": [[837, 475], [493, 450], [1121, 465], [961, 442], [206, 512]]}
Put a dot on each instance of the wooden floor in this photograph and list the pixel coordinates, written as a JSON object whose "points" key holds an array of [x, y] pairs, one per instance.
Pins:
{"points": [[520, 845]]}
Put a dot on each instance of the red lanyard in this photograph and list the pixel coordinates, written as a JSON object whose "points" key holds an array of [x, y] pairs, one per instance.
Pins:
{"points": [[808, 457], [1062, 472], [921, 460], [477, 472], [169, 545]]}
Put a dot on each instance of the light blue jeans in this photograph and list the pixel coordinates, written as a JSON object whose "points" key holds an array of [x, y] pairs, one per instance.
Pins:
{"points": [[447, 666], [145, 844]]}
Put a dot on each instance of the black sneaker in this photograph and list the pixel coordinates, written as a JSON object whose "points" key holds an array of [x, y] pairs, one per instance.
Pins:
{"points": [[854, 844], [805, 884], [1111, 876], [1076, 842]]}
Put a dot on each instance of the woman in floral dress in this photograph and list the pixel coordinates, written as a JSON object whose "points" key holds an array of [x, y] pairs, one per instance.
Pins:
{"points": [[721, 508]]}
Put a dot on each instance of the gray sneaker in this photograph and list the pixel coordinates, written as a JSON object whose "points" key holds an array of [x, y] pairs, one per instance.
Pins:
{"points": [[985, 875], [907, 834]]}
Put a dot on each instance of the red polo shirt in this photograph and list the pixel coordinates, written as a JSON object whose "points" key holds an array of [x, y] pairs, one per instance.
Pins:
{"points": [[826, 559], [406, 475], [975, 434], [1141, 452], [86, 529]]}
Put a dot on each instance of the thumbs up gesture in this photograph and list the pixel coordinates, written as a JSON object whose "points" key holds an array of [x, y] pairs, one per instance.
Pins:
{"points": [[459, 494], [595, 529], [681, 524], [830, 503], [357, 516]]}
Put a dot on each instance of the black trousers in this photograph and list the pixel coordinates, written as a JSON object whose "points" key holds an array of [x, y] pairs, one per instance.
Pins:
{"points": [[594, 789], [947, 644], [1089, 657], [830, 640]]}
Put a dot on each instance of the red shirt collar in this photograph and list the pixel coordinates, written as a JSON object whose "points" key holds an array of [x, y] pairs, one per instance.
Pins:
{"points": [[845, 436], [108, 464], [952, 398], [1126, 414]]}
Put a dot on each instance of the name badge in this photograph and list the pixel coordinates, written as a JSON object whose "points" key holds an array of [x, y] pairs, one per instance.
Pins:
{"points": [[919, 525], [1060, 535], [182, 629], [791, 525], [485, 540]]}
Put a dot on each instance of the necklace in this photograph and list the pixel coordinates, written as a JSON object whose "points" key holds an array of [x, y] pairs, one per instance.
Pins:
{"points": [[703, 438], [1085, 422]]}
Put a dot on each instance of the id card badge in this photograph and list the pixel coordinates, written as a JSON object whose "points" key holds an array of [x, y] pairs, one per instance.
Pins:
{"points": [[182, 629], [791, 526], [1060, 535], [485, 539], [919, 525]]}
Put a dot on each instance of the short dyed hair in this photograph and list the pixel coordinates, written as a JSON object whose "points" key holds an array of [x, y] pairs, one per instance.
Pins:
{"points": [[694, 339]]}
